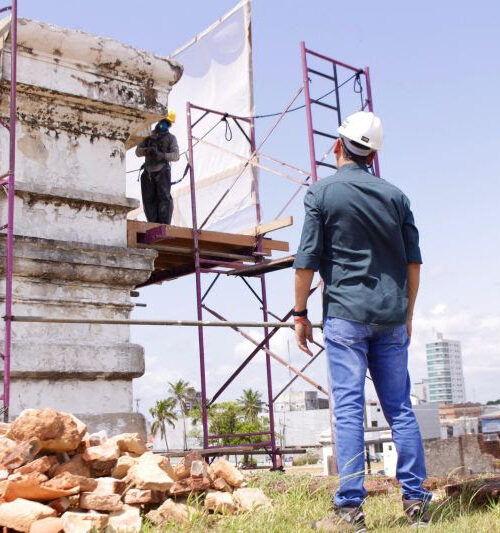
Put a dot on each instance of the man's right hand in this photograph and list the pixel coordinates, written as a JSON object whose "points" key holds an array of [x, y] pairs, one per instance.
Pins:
{"points": [[303, 333]]}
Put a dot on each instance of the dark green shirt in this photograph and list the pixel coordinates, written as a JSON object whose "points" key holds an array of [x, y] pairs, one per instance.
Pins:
{"points": [[360, 234]]}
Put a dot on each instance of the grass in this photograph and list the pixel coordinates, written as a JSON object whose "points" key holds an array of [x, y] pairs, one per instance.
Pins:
{"points": [[300, 499]]}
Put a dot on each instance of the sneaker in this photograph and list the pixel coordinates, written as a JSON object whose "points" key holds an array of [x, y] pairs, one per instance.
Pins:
{"points": [[342, 519], [417, 512]]}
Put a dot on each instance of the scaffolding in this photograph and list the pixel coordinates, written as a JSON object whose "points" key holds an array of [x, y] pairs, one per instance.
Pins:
{"points": [[249, 262]]}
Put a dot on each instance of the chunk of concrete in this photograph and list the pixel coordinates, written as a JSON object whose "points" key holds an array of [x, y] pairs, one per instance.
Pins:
{"points": [[84, 522], [224, 469], [66, 481], [109, 451], [130, 442], [128, 520], [76, 465], [220, 502], [51, 524], [23, 453], [29, 487], [222, 485], [21, 514], [123, 465], [150, 473], [171, 511], [189, 485], [248, 499], [57, 431], [100, 502], [182, 469], [61, 505], [42, 464], [109, 485], [141, 496]]}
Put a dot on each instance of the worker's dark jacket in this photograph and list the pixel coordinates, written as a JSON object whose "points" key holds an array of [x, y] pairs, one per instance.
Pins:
{"points": [[360, 234], [168, 149]]}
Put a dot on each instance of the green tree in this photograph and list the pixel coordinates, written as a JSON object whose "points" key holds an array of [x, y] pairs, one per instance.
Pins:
{"points": [[163, 414], [182, 392], [493, 402], [251, 404]]}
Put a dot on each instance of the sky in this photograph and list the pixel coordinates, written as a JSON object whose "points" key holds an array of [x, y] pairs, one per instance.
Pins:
{"points": [[435, 73]]}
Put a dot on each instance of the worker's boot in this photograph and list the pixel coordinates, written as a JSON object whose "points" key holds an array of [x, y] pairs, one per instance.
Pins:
{"points": [[417, 512], [342, 519]]}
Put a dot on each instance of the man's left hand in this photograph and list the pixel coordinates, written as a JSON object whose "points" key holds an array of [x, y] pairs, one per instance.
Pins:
{"points": [[303, 333]]}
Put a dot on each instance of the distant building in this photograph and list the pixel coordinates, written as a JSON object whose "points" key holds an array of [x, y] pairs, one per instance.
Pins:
{"points": [[490, 424], [444, 370], [459, 419], [300, 401], [420, 390], [193, 400]]}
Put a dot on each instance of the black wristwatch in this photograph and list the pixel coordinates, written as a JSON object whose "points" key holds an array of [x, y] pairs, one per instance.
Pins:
{"points": [[299, 313]]}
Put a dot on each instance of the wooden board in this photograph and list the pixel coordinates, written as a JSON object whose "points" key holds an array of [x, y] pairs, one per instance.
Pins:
{"points": [[175, 247]]}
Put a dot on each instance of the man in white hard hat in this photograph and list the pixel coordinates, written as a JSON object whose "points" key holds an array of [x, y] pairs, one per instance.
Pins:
{"points": [[360, 234]]}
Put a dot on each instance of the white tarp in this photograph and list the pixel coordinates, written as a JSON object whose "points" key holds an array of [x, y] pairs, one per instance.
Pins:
{"points": [[217, 75]]}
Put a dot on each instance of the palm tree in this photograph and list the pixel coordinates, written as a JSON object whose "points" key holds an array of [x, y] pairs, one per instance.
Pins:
{"points": [[163, 413], [251, 404], [182, 392]]}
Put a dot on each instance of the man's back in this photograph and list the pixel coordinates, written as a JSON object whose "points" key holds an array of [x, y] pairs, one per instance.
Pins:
{"points": [[359, 232]]}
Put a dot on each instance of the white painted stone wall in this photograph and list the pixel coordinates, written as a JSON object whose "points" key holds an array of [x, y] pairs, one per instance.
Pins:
{"points": [[82, 101]]}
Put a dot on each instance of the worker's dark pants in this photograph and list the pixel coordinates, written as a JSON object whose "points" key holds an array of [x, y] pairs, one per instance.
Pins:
{"points": [[156, 197]]}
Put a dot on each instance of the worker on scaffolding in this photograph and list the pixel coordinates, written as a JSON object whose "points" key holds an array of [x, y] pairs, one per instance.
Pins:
{"points": [[359, 232], [160, 149]]}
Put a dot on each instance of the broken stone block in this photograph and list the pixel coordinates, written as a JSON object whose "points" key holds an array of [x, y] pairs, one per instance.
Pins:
{"points": [[222, 485], [6, 447], [21, 513], [47, 525], [128, 520], [29, 487], [228, 472], [61, 505], [74, 501], [251, 498], [130, 442], [220, 502], [141, 496], [84, 522], [109, 485], [109, 451], [57, 431], [98, 438], [101, 468], [76, 465], [182, 469], [189, 485], [100, 502], [41, 465], [171, 511], [66, 481], [149, 473], [199, 469], [122, 466], [4, 428], [4, 474], [23, 453]]}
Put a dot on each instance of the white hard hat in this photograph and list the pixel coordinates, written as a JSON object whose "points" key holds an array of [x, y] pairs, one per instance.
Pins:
{"points": [[363, 128]]}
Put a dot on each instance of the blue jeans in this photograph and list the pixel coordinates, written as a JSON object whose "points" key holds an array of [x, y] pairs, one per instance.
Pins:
{"points": [[351, 349]]}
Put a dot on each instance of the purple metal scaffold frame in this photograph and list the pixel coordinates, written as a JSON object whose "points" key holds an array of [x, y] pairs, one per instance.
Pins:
{"points": [[8, 181], [201, 264]]}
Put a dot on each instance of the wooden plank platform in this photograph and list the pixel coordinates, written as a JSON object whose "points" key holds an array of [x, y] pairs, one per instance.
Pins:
{"points": [[175, 249]]}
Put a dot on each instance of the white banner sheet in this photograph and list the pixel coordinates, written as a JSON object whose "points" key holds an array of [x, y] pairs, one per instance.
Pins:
{"points": [[217, 75]]}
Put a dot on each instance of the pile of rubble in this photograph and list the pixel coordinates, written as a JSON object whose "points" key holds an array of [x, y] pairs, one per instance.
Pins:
{"points": [[54, 477]]}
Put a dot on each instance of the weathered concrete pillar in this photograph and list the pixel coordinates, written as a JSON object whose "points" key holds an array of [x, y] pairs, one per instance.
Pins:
{"points": [[81, 101]]}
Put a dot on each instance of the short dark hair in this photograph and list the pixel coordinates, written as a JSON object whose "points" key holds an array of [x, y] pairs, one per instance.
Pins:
{"points": [[362, 160]]}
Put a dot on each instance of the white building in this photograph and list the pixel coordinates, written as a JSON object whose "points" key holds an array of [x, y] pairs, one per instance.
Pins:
{"points": [[444, 370], [306, 400], [420, 390]]}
